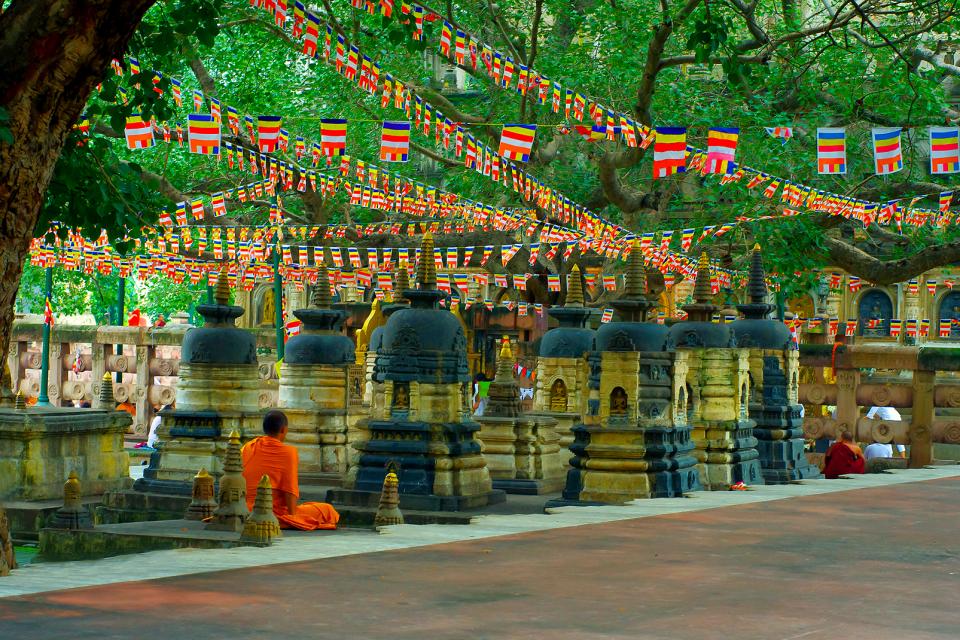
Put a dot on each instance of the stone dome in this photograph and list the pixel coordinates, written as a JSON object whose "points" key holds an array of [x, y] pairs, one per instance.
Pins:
{"points": [[219, 341], [566, 342], [632, 336], [424, 345], [322, 348], [761, 333]]}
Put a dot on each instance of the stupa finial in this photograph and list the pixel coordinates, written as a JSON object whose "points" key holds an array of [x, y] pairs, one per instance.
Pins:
{"points": [[574, 288], [105, 398], [221, 294], [401, 281], [504, 363], [702, 289], [757, 284], [320, 298], [635, 285], [427, 269]]}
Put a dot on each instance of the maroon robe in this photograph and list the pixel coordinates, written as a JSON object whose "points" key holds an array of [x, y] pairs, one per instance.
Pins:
{"points": [[841, 459]]}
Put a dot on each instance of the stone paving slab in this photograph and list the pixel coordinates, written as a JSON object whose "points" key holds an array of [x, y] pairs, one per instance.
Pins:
{"points": [[882, 562], [41, 577]]}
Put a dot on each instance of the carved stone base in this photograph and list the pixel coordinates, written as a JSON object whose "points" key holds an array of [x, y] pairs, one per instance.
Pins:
{"points": [[726, 454], [523, 454]]}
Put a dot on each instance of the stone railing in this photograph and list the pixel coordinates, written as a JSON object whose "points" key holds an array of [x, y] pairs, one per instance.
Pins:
{"points": [[923, 386], [149, 364]]}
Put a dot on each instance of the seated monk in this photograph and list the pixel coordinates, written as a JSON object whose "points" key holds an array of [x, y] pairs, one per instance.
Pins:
{"points": [[268, 455], [843, 457]]}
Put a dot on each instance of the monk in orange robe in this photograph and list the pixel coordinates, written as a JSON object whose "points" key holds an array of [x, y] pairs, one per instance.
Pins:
{"points": [[843, 457], [269, 455]]}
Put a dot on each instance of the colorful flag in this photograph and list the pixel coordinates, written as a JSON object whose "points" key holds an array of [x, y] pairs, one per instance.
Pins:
{"points": [[887, 154], [895, 326], [395, 141], [139, 133], [945, 328], [218, 204], [945, 198], [944, 150], [333, 136], [831, 150], [784, 133], [47, 312], [268, 132], [669, 151], [516, 141], [607, 316], [721, 149], [203, 132]]}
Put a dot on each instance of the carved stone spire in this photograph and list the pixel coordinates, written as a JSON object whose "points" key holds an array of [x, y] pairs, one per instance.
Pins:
{"points": [[702, 309], [633, 305], [221, 294], [427, 268], [20, 404], [757, 308], [105, 399], [505, 363], [320, 298], [232, 500], [73, 514], [203, 497], [574, 288], [401, 282]]}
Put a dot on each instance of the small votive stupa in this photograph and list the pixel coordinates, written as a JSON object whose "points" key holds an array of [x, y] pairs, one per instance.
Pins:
{"points": [[718, 391], [73, 514], [217, 393], [423, 425], [561, 384], [634, 442], [313, 387], [774, 372], [522, 451], [262, 526], [232, 509]]}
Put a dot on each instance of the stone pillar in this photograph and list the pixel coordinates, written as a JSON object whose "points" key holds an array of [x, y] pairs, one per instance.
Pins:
{"points": [[921, 422], [141, 394]]}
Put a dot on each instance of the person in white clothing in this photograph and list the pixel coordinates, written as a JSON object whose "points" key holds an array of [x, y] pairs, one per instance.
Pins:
{"points": [[879, 449]]}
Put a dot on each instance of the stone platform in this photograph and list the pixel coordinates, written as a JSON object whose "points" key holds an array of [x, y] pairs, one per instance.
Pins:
{"points": [[869, 557]]}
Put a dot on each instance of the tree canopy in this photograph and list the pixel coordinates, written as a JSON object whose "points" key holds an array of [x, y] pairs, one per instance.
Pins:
{"points": [[694, 63]]}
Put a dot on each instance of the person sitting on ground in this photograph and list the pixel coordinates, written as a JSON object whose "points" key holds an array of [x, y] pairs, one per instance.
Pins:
{"points": [[887, 414], [843, 457], [268, 455], [160, 323]]}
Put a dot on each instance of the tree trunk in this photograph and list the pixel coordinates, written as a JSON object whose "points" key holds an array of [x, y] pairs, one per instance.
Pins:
{"points": [[54, 53]]}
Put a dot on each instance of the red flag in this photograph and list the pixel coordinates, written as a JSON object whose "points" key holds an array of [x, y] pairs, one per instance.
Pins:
{"points": [[47, 313]]}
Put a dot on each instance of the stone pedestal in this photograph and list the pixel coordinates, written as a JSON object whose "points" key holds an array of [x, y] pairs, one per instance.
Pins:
{"points": [[40, 447], [314, 397], [560, 392]]}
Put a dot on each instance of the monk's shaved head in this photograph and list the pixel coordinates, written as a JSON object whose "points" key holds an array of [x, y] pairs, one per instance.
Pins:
{"points": [[846, 436], [274, 422]]}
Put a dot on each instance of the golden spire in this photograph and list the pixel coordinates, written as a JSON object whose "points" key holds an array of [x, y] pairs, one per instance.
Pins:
{"points": [[222, 292], [574, 288], [427, 268], [320, 298], [504, 362], [702, 290]]}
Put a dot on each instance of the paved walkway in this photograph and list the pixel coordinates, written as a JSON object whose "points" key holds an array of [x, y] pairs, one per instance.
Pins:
{"points": [[810, 561]]}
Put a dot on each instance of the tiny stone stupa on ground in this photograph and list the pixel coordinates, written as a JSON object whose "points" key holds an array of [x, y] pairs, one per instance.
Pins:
{"points": [[774, 373], [423, 425], [634, 442], [522, 451], [718, 388], [217, 393]]}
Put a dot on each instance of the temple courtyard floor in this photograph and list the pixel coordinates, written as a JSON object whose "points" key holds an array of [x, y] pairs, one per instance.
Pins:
{"points": [[876, 557]]}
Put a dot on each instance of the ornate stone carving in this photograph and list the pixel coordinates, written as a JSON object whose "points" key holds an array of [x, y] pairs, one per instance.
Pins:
{"points": [[620, 341]]}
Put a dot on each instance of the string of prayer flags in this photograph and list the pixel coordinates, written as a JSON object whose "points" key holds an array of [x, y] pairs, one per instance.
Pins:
{"points": [[203, 133], [721, 149], [395, 141], [887, 154], [944, 150], [138, 132], [516, 141], [669, 151], [333, 136], [268, 133], [831, 150]]}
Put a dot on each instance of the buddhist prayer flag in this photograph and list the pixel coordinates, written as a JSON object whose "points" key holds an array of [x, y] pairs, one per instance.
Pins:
{"points": [[831, 150], [887, 154], [516, 141], [669, 151], [607, 316], [268, 132], [218, 203], [203, 132], [944, 150], [333, 136], [721, 149], [945, 198], [895, 326], [47, 312], [139, 133], [945, 328], [395, 141], [783, 133]]}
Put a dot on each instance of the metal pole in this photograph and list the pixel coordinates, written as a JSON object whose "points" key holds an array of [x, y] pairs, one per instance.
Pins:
{"points": [[43, 399], [278, 301], [121, 299]]}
